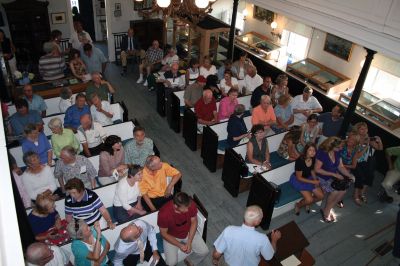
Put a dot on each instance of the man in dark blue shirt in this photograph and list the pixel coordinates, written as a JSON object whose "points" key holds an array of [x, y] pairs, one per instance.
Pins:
{"points": [[263, 89], [236, 128], [74, 112], [332, 121]]}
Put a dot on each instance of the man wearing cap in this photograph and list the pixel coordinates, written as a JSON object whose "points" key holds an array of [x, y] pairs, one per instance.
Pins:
{"points": [[304, 105], [194, 92], [52, 64]]}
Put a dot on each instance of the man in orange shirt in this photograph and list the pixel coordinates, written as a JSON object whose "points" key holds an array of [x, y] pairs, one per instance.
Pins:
{"points": [[155, 188], [264, 113]]}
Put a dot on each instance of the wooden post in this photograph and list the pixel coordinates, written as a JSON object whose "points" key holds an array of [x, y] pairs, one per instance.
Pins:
{"points": [[357, 92], [232, 30]]}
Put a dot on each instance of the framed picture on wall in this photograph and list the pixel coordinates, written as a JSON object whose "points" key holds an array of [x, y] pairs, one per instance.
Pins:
{"points": [[338, 47], [58, 18], [143, 5], [263, 14]]}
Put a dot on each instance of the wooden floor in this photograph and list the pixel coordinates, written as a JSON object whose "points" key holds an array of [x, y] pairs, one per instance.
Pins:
{"points": [[349, 241]]}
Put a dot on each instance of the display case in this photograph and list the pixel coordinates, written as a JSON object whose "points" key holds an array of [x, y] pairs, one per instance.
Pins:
{"points": [[199, 40], [386, 112], [319, 75], [259, 44]]}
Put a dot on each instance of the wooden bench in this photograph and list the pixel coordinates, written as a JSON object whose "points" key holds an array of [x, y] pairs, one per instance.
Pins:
{"points": [[235, 172], [123, 130], [151, 218]]}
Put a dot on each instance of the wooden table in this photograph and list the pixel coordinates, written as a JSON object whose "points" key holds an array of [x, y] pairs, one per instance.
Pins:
{"points": [[292, 242], [51, 89]]}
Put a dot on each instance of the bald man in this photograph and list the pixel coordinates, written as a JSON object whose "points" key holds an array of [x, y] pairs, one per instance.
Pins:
{"points": [[243, 245], [91, 135], [131, 238], [42, 254], [206, 109]]}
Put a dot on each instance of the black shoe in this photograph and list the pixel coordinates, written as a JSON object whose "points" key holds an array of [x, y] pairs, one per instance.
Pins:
{"points": [[389, 199]]}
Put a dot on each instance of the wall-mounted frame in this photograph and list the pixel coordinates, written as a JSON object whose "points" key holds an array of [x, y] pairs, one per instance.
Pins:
{"points": [[58, 18], [117, 6], [338, 47], [143, 5], [263, 14]]}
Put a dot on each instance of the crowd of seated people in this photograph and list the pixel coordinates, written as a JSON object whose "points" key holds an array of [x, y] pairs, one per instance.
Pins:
{"points": [[327, 169]]}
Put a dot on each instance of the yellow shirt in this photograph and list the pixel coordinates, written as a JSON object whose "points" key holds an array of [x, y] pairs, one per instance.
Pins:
{"points": [[154, 185]]}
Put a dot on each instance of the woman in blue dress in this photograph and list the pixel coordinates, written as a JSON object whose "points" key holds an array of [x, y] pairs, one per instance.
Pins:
{"points": [[304, 179]]}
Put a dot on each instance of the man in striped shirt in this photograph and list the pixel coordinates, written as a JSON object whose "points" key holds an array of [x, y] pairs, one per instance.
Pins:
{"points": [[52, 64], [84, 204]]}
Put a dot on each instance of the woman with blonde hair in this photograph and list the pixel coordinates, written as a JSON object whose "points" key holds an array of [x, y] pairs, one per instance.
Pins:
{"points": [[332, 175], [365, 170], [46, 222]]}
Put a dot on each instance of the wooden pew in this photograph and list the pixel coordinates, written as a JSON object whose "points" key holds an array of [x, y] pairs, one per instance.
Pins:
{"points": [[123, 130], [214, 143], [235, 172], [175, 107], [113, 235]]}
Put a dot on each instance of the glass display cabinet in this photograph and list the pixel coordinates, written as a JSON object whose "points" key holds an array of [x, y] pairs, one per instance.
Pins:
{"points": [[259, 44], [319, 75], [385, 112]]}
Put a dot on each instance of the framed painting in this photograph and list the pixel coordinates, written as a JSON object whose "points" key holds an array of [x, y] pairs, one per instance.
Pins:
{"points": [[58, 18], [338, 47], [263, 14], [143, 5]]}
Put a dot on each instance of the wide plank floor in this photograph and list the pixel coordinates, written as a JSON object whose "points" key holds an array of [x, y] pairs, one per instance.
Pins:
{"points": [[350, 241]]}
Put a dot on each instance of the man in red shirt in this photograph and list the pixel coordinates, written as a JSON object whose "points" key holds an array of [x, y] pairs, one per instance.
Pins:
{"points": [[206, 109], [177, 221]]}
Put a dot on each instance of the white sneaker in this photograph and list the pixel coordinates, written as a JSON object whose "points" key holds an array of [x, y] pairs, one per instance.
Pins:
{"points": [[140, 80], [145, 83]]}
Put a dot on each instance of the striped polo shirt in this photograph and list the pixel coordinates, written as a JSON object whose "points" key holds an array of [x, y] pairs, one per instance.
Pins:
{"points": [[87, 209], [51, 67]]}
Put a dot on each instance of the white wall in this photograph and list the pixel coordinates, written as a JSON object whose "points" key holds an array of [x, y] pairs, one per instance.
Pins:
{"points": [[349, 68]]}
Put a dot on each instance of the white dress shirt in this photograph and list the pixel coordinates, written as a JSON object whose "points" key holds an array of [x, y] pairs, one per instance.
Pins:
{"points": [[299, 103], [251, 83], [93, 136], [76, 43], [123, 249], [125, 194], [226, 88], [100, 117]]}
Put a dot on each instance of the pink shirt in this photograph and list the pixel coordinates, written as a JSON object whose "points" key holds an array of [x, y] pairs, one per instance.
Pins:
{"points": [[226, 108], [109, 162]]}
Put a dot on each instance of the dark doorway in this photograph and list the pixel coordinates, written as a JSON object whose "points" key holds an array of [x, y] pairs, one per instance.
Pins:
{"points": [[86, 14]]}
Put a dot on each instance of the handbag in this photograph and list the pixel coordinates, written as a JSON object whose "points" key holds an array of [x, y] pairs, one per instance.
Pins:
{"points": [[341, 184]]}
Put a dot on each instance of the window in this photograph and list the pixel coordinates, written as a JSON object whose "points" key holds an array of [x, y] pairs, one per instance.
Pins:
{"points": [[382, 84], [296, 45]]}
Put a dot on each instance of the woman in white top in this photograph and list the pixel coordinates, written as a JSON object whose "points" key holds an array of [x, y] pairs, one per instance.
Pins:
{"points": [[127, 199], [207, 68], [39, 178], [228, 82], [193, 72], [169, 59], [66, 99]]}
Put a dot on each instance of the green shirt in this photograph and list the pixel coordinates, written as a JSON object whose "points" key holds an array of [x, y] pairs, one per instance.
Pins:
{"points": [[101, 91], [395, 151], [66, 138]]}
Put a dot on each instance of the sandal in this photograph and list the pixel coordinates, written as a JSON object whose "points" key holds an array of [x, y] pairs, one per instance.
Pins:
{"points": [[357, 201], [364, 197], [296, 209], [340, 204], [332, 217], [325, 219]]}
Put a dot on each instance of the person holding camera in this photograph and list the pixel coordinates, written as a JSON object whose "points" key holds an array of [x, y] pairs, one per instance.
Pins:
{"points": [[364, 172], [334, 178]]}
